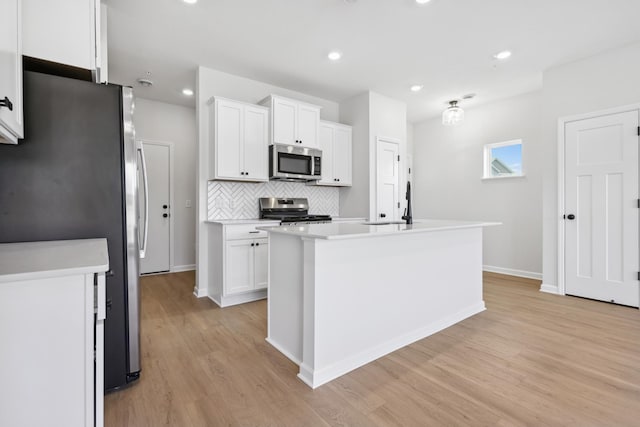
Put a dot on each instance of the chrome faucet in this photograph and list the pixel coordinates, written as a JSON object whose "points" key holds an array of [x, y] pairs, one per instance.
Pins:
{"points": [[407, 211]]}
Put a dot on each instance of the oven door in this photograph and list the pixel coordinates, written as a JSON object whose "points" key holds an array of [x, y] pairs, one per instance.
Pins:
{"points": [[294, 163]]}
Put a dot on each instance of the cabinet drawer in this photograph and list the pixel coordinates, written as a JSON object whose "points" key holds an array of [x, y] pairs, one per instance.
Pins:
{"points": [[245, 231]]}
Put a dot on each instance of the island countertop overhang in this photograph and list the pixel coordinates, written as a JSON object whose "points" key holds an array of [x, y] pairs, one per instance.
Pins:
{"points": [[335, 231]]}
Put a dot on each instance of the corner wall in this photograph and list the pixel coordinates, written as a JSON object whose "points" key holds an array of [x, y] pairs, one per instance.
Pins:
{"points": [[159, 121], [448, 182], [607, 80], [211, 83]]}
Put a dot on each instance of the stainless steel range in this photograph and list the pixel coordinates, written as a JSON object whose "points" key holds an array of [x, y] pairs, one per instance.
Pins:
{"points": [[289, 211]]}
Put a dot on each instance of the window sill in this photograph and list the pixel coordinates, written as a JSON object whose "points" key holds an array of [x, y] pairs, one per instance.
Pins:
{"points": [[493, 178]]}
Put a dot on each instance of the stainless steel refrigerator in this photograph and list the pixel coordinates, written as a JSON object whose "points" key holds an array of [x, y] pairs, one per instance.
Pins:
{"points": [[75, 176]]}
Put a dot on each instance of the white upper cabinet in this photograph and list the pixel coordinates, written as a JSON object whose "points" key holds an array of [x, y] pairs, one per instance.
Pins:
{"points": [[11, 126], [239, 136], [293, 122], [67, 32], [336, 146]]}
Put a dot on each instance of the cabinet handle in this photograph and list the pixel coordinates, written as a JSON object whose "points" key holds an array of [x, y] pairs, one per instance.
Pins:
{"points": [[6, 102], [257, 244], [254, 232], [165, 215], [253, 244]]}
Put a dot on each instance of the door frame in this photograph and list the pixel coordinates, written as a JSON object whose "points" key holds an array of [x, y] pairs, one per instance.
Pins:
{"points": [[373, 211], [170, 145], [562, 122]]}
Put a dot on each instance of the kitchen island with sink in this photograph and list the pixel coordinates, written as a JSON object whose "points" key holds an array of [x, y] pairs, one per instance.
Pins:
{"points": [[344, 294]]}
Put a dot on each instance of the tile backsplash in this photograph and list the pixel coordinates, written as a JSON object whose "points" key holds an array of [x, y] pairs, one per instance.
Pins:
{"points": [[239, 200]]}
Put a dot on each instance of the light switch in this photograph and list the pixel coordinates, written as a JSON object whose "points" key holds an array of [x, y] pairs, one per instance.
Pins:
{"points": [[187, 204]]}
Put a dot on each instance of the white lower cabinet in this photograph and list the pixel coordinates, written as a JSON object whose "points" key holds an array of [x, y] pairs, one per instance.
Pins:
{"points": [[52, 311], [246, 265], [239, 263]]}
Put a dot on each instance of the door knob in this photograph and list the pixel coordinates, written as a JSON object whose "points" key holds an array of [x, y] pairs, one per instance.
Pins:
{"points": [[164, 206], [571, 217], [383, 215], [165, 215]]}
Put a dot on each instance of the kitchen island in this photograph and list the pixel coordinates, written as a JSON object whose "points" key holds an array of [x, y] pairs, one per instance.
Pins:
{"points": [[341, 295]]}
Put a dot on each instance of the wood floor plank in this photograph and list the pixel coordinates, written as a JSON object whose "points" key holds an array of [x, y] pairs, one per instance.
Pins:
{"points": [[530, 359]]}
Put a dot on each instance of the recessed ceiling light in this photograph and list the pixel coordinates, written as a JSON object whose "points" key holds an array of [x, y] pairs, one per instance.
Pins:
{"points": [[422, 1], [190, 1], [187, 92], [334, 55], [502, 55], [416, 88]]}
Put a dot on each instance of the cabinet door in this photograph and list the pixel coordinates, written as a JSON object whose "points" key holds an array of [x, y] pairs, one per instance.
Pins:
{"points": [[229, 129], [238, 266], [256, 143], [284, 121], [326, 145], [62, 31], [261, 263], [309, 125], [342, 156], [10, 71]]}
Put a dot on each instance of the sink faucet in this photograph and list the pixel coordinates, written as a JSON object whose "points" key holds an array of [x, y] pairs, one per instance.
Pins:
{"points": [[407, 211]]}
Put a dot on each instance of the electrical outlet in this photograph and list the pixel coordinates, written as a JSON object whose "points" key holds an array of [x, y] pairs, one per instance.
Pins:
{"points": [[187, 204], [231, 204], [218, 203]]}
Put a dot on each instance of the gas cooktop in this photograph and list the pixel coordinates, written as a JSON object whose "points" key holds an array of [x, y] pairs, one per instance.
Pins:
{"points": [[289, 211]]}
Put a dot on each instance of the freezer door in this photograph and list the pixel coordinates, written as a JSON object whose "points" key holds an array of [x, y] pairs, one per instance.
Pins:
{"points": [[131, 218]]}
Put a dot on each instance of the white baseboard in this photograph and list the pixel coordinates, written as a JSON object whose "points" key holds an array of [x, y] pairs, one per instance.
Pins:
{"points": [[316, 378], [550, 289], [235, 299], [199, 293], [512, 272], [283, 351], [180, 268]]}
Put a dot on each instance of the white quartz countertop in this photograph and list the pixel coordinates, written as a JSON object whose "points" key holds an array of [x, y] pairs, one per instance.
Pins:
{"points": [[350, 230], [242, 221], [36, 260]]}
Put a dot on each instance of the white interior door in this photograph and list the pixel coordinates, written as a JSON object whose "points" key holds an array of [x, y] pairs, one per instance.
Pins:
{"points": [[601, 208], [388, 180], [157, 258]]}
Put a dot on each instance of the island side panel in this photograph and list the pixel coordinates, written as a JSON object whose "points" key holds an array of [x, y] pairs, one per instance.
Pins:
{"points": [[284, 303], [372, 296]]}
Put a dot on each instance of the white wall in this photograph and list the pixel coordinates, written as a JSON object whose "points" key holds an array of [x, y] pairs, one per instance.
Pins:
{"points": [[603, 81], [354, 200], [371, 115], [159, 121], [216, 83], [388, 119], [448, 167]]}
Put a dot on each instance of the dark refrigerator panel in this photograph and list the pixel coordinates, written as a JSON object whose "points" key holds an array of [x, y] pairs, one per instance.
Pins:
{"points": [[65, 180]]}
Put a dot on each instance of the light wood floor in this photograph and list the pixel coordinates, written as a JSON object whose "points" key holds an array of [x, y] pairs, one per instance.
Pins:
{"points": [[530, 359]]}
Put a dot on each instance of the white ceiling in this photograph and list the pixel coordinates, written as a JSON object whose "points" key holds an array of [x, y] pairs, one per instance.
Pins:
{"points": [[387, 45]]}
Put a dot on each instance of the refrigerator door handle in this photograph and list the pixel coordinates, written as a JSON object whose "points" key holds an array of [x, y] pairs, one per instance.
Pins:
{"points": [[145, 235]]}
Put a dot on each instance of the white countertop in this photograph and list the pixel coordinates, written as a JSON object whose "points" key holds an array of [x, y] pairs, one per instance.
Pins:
{"points": [[349, 230], [36, 260], [242, 221]]}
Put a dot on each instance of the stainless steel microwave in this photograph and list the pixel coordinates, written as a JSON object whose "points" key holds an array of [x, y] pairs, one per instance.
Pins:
{"points": [[291, 163]]}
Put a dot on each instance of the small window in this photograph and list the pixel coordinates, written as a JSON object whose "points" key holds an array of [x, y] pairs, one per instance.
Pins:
{"points": [[503, 159]]}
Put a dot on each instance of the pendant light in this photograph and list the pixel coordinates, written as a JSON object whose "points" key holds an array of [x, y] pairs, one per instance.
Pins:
{"points": [[453, 114]]}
